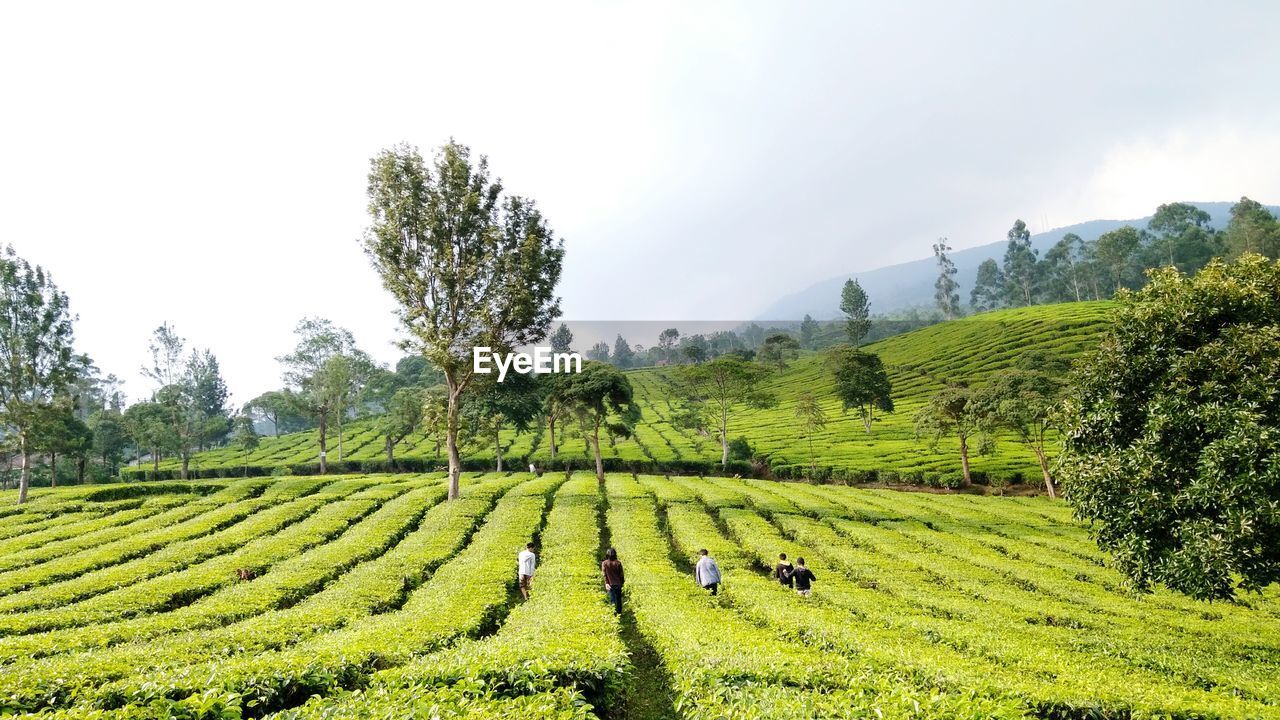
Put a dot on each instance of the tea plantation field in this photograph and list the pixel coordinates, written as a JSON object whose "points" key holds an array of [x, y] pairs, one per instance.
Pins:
{"points": [[969, 349], [371, 596]]}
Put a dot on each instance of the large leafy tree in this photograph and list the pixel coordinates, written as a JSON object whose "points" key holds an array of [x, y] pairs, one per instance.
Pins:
{"points": [[493, 406], [778, 349], [1116, 253], [946, 289], [1180, 236], [856, 307], [110, 436], [1172, 442], [713, 392], [1064, 270], [861, 382], [467, 266], [36, 360], [59, 433], [601, 398], [279, 408]]}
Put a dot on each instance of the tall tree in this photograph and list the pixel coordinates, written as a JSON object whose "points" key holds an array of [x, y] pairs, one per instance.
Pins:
{"points": [[57, 432], [857, 311], [951, 412], [599, 352], [109, 438], [278, 408], [562, 339], [1116, 253], [1252, 229], [35, 351], [342, 380], [1064, 270], [812, 419], [1172, 433], [148, 424], [715, 390], [1020, 269], [1180, 236], [946, 289], [601, 398], [861, 382], [808, 332], [311, 377], [209, 394], [988, 287], [468, 267], [623, 356]]}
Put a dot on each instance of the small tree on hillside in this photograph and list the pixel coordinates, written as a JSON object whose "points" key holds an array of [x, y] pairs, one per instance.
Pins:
{"points": [[777, 350], [812, 419], [601, 397], [861, 382], [714, 391], [1252, 229], [562, 339], [1024, 400], [244, 437], [493, 406], [951, 412], [405, 413], [468, 267], [946, 289], [623, 356], [315, 384], [1064, 266], [857, 311], [35, 351], [1172, 432]]}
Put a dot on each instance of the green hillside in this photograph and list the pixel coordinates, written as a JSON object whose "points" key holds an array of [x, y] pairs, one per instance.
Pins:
{"points": [[372, 597], [968, 349]]}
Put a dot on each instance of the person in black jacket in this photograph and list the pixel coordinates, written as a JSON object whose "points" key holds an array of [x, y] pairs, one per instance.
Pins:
{"points": [[803, 577], [782, 571]]}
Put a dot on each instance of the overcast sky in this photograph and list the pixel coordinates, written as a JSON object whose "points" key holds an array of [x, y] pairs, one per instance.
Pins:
{"points": [[205, 165]]}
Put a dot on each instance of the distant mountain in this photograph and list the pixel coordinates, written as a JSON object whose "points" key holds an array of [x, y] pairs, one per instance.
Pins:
{"points": [[910, 284]]}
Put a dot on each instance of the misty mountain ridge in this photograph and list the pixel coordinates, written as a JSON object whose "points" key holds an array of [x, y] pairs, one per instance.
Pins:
{"points": [[910, 284]]}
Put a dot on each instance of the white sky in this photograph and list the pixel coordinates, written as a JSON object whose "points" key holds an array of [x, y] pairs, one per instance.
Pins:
{"points": [[205, 166]]}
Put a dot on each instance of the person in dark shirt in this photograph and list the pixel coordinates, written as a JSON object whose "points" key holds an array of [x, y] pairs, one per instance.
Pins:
{"points": [[803, 577], [613, 578], [783, 570]]}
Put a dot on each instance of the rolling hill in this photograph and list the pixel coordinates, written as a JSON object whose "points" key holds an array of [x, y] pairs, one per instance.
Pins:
{"points": [[968, 349]]}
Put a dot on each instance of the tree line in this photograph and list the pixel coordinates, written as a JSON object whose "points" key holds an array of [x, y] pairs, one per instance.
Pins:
{"points": [[1178, 235]]}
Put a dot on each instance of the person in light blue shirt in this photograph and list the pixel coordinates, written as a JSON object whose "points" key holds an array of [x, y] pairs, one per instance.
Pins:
{"points": [[707, 573]]}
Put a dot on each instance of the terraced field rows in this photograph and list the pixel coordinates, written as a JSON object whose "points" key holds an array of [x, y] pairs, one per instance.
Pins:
{"points": [[970, 349], [371, 596]]}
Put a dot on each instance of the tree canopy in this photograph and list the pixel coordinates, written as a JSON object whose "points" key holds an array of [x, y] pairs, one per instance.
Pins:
{"points": [[1172, 443]]}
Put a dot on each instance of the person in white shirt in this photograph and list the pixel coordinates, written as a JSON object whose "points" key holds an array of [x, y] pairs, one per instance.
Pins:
{"points": [[527, 564], [707, 573]]}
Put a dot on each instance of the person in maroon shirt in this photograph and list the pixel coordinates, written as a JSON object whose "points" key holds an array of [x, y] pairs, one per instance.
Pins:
{"points": [[613, 578]]}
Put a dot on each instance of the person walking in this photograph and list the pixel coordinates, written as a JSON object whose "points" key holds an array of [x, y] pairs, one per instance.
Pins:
{"points": [[613, 578], [707, 573], [803, 577], [783, 571], [527, 564]]}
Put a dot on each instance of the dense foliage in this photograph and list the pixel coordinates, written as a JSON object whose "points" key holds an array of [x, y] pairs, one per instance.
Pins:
{"points": [[1173, 445]]}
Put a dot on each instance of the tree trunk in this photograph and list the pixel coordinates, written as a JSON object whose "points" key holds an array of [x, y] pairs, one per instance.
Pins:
{"points": [[867, 417], [964, 459], [24, 480], [497, 445], [80, 462], [340, 414], [155, 460], [1044, 470], [391, 458], [451, 439], [186, 462], [324, 430], [595, 446], [551, 427], [724, 439], [53, 469]]}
